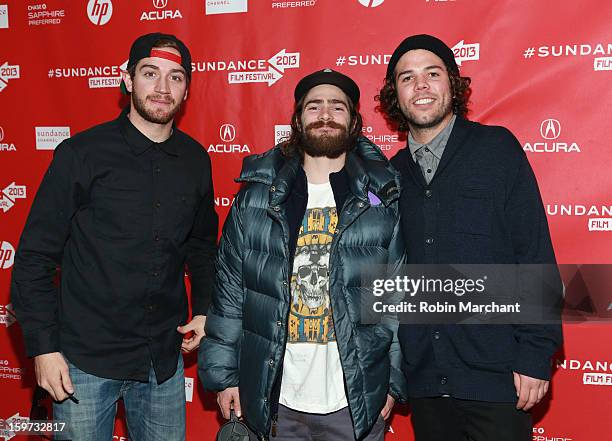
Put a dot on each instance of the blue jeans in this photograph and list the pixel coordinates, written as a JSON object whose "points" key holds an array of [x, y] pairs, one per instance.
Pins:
{"points": [[154, 412]]}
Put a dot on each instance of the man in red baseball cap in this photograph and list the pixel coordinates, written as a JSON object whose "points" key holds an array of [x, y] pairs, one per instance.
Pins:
{"points": [[123, 208]]}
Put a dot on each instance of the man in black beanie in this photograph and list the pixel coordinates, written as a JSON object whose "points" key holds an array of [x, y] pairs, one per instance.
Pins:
{"points": [[123, 208], [469, 196]]}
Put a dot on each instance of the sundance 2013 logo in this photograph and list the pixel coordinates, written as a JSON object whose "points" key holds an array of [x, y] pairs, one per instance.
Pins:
{"points": [[594, 372], [274, 72], [227, 136], [254, 70], [551, 141], [7, 315], [8, 72], [599, 216], [97, 76], [10, 194]]}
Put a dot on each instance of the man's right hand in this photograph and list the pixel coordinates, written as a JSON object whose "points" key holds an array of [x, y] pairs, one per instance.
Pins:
{"points": [[229, 399], [52, 374]]}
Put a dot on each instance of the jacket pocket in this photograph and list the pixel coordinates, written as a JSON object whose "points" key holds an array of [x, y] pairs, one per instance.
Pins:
{"points": [[115, 212], [473, 211]]}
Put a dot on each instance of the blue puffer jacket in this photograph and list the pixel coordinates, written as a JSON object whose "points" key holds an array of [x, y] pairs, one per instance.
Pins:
{"points": [[246, 325]]}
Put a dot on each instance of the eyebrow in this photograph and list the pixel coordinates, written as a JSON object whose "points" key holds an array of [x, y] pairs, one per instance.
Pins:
{"points": [[152, 66], [431, 67], [320, 101]]}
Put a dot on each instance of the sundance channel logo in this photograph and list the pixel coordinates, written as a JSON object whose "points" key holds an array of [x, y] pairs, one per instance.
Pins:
{"points": [[226, 6]]}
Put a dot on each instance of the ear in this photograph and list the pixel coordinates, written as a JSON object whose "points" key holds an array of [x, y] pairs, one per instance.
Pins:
{"points": [[127, 79]]}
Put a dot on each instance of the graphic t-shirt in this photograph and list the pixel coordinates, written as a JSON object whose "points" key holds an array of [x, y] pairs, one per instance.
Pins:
{"points": [[312, 373]]}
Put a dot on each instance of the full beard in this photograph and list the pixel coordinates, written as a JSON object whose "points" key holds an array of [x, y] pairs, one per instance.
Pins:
{"points": [[158, 116], [327, 145]]}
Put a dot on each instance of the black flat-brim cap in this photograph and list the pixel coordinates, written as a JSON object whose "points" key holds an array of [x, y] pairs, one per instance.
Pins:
{"points": [[141, 48], [327, 76], [428, 43]]}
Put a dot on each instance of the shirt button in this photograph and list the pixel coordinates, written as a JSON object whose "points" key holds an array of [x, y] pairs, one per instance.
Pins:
{"points": [[429, 240], [428, 193], [279, 323], [444, 380], [428, 170], [285, 283], [265, 400], [427, 149], [271, 362], [157, 204], [273, 189], [276, 208], [360, 204], [436, 335]]}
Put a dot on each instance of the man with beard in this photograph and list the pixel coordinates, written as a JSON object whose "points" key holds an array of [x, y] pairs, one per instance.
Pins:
{"points": [[468, 196], [284, 344], [121, 210]]}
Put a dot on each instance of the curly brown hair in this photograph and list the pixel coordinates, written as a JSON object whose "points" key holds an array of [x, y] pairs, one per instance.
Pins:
{"points": [[389, 105], [294, 144]]}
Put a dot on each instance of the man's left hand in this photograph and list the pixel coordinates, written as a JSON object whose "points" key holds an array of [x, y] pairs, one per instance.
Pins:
{"points": [[386, 411], [529, 391], [196, 326]]}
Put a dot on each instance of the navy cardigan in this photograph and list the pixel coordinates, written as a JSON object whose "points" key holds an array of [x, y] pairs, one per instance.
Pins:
{"points": [[482, 206]]}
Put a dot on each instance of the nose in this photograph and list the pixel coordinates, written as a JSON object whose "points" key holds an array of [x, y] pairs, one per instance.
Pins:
{"points": [[325, 114], [421, 82], [162, 85]]}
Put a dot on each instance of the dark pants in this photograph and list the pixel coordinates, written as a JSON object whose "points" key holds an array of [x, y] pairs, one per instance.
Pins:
{"points": [[450, 419], [337, 426]]}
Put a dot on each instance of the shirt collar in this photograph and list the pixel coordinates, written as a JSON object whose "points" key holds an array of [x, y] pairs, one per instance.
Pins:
{"points": [[139, 143], [436, 145]]}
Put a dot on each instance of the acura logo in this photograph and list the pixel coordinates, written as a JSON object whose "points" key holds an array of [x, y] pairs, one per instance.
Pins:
{"points": [[160, 4], [550, 129], [227, 132]]}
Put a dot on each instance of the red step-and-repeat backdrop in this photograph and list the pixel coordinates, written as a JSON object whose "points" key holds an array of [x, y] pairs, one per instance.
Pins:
{"points": [[541, 68]]}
